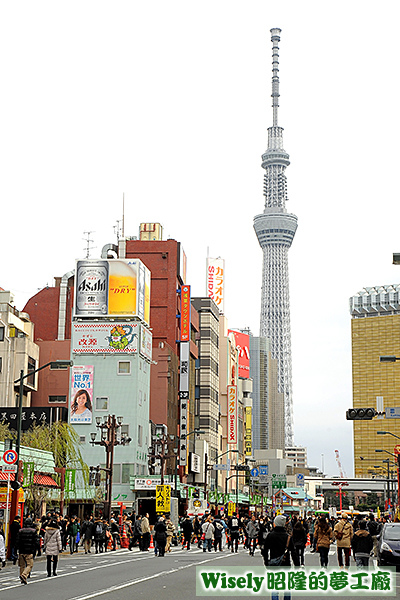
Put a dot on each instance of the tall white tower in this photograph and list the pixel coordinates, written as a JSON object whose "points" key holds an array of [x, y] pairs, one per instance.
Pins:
{"points": [[275, 229]]}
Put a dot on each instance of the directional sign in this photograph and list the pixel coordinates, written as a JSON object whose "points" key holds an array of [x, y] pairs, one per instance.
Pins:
{"points": [[10, 457], [299, 480], [392, 412], [254, 472], [263, 470]]}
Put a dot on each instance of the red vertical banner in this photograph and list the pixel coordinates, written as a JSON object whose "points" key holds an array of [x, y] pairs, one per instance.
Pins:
{"points": [[185, 313]]}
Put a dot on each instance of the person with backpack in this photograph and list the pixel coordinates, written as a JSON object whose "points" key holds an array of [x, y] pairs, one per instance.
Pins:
{"points": [[234, 530], [374, 529], [343, 533], [72, 532], [218, 531], [99, 535]]}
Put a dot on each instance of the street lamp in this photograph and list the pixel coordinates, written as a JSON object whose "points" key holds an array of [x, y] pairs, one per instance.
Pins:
{"points": [[216, 471], [397, 456], [108, 439]]}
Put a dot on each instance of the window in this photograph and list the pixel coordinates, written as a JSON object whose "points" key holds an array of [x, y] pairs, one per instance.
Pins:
{"points": [[2, 334], [127, 471], [82, 439], [140, 398], [101, 403], [140, 435], [1, 363], [124, 367], [124, 430], [31, 367], [57, 399], [117, 473], [144, 366]]}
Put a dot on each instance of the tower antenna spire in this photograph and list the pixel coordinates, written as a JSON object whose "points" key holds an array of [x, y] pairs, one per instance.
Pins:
{"points": [[275, 38]]}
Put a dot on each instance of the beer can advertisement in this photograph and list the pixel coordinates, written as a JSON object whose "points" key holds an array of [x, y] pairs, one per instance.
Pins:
{"points": [[81, 394], [112, 288]]}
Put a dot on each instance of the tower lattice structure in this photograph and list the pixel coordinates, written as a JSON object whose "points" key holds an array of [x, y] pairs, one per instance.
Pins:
{"points": [[275, 229]]}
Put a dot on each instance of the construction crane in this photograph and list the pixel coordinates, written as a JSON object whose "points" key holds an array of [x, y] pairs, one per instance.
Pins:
{"points": [[341, 472]]}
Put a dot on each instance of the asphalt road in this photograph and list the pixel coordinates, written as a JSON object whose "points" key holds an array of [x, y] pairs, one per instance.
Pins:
{"points": [[123, 574]]}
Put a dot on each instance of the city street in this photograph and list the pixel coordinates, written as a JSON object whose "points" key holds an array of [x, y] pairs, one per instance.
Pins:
{"points": [[121, 574]]}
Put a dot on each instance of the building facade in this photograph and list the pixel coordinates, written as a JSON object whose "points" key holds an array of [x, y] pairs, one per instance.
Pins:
{"points": [[275, 229], [18, 352], [375, 332]]}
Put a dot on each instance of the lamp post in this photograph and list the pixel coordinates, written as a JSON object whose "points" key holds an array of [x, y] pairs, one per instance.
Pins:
{"points": [[397, 457], [159, 450], [397, 465], [108, 438], [216, 471], [197, 431], [56, 364]]}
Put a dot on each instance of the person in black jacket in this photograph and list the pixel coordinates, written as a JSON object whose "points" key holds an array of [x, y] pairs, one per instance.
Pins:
{"points": [[234, 529], [362, 545], [161, 535], [14, 528], [27, 544], [278, 543], [187, 529], [299, 537]]}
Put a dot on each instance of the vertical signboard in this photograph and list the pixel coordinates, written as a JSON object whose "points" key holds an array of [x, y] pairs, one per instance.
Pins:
{"points": [[232, 414], [243, 345], [81, 408], [216, 281], [247, 438], [163, 498], [184, 372]]}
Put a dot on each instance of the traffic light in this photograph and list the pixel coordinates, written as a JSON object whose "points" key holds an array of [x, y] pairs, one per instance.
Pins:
{"points": [[360, 414], [92, 476]]}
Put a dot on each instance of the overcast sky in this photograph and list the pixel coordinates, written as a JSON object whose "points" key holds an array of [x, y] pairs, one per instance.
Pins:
{"points": [[169, 103]]}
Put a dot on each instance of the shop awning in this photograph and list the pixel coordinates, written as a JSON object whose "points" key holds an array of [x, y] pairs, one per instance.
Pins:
{"points": [[38, 479]]}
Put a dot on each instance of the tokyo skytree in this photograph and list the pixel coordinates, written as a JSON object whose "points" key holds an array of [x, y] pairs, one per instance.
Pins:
{"points": [[275, 229]]}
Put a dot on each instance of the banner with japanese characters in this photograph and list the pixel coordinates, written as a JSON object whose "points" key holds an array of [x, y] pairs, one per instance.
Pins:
{"points": [[105, 338], [232, 414], [163, 498], [216, 281], [81, 406]]}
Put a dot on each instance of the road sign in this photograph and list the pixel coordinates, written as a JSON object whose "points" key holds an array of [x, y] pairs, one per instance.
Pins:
{"points": [[299, 480], [392, 412], [263, 479], [254, 472], [263, 470], [241, 467], [8, 468], [10, 457], [223, 467], [278, 481]]}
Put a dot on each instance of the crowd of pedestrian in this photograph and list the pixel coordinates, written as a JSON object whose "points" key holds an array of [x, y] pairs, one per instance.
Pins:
{"points": [[281, 541]]}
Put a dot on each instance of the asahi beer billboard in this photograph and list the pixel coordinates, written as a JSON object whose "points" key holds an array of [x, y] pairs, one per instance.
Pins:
{"points": [[112, 288]]}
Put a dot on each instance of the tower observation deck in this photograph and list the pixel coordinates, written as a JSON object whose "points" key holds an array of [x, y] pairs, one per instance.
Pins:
{"points": [[275, 229]]}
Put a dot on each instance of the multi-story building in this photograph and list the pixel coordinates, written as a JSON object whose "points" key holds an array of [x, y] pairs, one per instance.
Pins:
{"points": [[275, 229], [268, 402], [375, 332], [18, 352], [207, 405], [298, 455]]}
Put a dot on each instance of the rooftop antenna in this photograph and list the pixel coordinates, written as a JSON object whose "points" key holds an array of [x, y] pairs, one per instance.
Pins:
{"points": [[88, 242], [117, 229], [123, 215], [275, 38]]}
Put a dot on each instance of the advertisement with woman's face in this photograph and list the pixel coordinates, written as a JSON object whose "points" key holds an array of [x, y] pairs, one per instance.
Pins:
{"points": [[81, 394]]}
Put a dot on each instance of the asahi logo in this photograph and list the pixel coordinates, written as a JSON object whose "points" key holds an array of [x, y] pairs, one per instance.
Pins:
{"points": [[92, 286]]}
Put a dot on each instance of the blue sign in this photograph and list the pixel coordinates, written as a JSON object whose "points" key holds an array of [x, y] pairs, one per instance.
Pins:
{"points": [[254, 472], [392, 412], [299, 480], [264, 470]]}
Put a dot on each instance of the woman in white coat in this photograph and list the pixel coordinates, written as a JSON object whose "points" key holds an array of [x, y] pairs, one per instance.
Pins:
{"points": [[52, 546]]}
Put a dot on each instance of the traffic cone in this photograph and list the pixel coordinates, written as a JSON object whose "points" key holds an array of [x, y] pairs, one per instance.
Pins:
{"points": [[308, 540], [151, 542]]}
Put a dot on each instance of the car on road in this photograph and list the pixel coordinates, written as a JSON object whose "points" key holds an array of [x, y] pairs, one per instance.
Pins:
{"points": [[389, 545]]}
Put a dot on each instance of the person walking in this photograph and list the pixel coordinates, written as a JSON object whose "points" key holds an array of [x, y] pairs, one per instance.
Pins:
{"points": [[323, 538], [277, 548], [362, 544], [146, 532], [197, 531], [170, 533], [208, 533], [252, 529], [299, 542], [343, 532], [114, 528], [161, 536], [187, 528], [87, 531], [52, 545], [72, 532], [14, 528], [27, 544], [374, 528], [234, 527], [2, 548], [218, 531], [99, 535]]}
